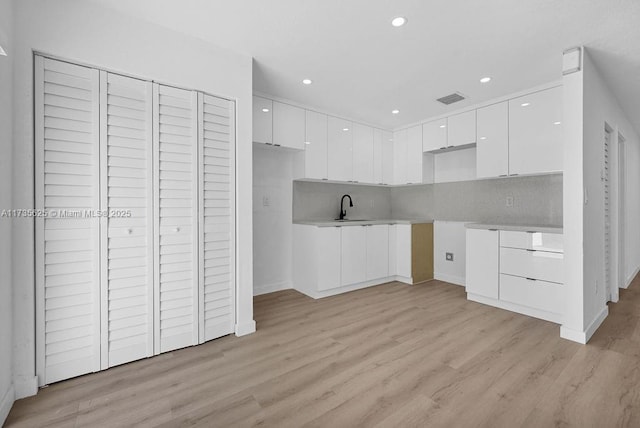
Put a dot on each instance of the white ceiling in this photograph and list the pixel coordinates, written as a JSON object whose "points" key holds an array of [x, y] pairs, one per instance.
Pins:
{"points": [[363, 68]]}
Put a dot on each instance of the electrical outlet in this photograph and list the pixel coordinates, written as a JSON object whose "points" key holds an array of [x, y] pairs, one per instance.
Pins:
{"points": [[449, 257], [509, 201], [266, 201]]}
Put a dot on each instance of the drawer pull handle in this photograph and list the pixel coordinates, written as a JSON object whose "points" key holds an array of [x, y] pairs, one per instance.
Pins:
{"points": [[529, 249], [531, 231], [531, 279], [493, 230]]}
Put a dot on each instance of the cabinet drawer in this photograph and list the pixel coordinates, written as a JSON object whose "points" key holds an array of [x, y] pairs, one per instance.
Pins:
{"points": [[542, 265], [532, 241], [542, 295]]}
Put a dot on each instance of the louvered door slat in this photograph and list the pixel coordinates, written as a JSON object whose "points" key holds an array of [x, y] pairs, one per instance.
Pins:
{"points": [[217, 213], [176, 217], [127, 243], [67, 248]]}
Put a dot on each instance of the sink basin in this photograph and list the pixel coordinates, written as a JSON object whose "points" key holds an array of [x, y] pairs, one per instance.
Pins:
{"points": [[351, 219]]}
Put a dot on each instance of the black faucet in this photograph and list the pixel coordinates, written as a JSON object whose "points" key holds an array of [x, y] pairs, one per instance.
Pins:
{"points": [[343, 212]]}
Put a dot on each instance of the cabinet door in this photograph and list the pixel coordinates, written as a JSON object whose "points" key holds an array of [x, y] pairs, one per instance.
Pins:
{"points": [[354, 255], [262, 120], [400, 157], [340, 149], [535, 132], [461, 129], [482, 262], [362, 153], [176, 218], [393, 250], [377, 157], [315, 154], [414, 155], [403, 250], [216, 123], [67, 249], [377, 251], [492, 150], [127, 246], [434, 135], [288, 126], [329, 257], [387, 157]]}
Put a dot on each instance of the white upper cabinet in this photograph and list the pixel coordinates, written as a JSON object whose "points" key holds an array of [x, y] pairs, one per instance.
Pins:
{"points": [[387, 157], [462, 129], [535, 132], [492, 155], [414, 155], [362, 153], [400, 157], [288, 126], [377, 156], [315, 156], [262, 120], [340, 149], [434, 135]]}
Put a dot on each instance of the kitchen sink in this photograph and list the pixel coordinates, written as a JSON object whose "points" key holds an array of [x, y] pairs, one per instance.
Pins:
{"points": [[351, 219]]}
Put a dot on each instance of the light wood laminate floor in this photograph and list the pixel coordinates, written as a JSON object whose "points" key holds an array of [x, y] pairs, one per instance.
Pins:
{"points": [[389, 356]]}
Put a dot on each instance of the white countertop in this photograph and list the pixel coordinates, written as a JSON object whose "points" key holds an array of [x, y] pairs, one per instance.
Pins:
{"points": [[335, 223], [516, 227]]}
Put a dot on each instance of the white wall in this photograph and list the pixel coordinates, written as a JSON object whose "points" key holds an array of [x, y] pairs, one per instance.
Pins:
{"points": [[457, 165], [84, 32], [588, 105], [272, 223], [601, 107], [449, 237], [6, 309]]}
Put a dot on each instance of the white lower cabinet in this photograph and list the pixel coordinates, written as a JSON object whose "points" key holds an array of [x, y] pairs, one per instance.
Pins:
{"points": [[508, 269], [377, 251], [354, 255], [403, 251], [482, 262], [329, 263]]}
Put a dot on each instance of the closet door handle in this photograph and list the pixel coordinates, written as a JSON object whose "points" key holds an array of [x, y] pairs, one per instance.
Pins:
{"points": [[176, 229]]}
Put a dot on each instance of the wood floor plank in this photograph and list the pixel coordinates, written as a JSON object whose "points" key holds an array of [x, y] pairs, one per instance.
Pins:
{"points": [[386, 356]]}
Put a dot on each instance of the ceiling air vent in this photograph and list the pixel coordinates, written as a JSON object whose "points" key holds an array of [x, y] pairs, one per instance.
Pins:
{"points": [[452, 98]]}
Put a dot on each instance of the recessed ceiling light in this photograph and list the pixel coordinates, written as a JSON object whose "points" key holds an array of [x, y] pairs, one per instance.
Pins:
{"points": [[395, 111], [443, 126], [345, 129], [265, 110], [391, 140], [483, 138], [485, 80], [307, 81], [307, 142], [398, 21], [525, 104], [557, 123]]}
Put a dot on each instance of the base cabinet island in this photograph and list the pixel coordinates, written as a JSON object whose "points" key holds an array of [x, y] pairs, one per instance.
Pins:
{"points": [[336, 257]]}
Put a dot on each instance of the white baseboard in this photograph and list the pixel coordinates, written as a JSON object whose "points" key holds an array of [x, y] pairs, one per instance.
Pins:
{"points": [[246, 328], [584, 336], [25, 386], [631, 278], [270, 288], [457, 280], [6, 404]]}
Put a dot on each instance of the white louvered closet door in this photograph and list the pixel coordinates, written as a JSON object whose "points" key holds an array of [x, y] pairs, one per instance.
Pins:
{"points": [[217, 190], [126, 130], [176, 217], [67, 244]]}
